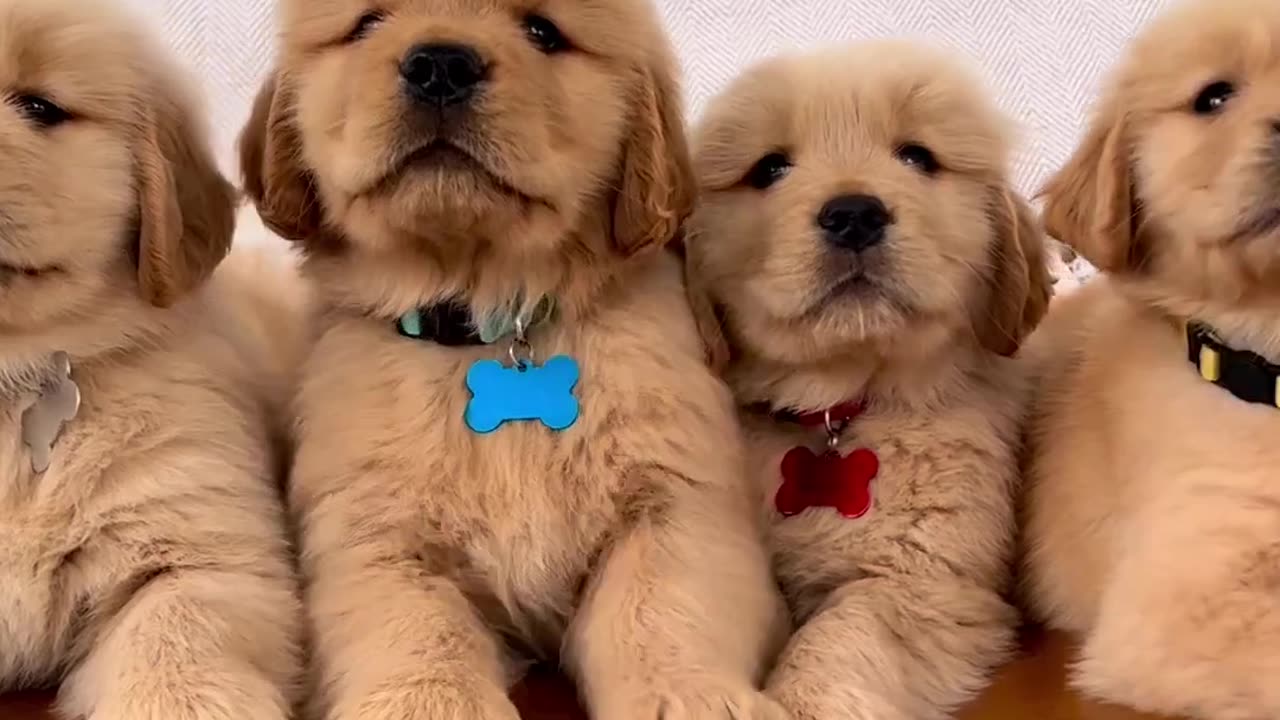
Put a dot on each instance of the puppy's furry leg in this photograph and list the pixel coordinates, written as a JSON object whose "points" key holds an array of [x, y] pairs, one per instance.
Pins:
{"points": [[396, 643], [1190, 623], [681, 619], [194, 645], [894, 648]]}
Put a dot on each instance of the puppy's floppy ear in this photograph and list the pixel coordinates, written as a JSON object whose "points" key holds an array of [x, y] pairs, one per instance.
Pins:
{"points": [[1019, 283], [1089, 203], [705, 314], [186, 208], [271, 163], [656, 190]]}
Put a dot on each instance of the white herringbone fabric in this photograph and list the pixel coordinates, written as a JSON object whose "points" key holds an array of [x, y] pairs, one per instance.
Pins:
{"points": [[1043, 58]]}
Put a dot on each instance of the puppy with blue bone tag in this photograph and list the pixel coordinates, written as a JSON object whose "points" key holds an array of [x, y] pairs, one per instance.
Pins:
{"points": [[510, 447]]}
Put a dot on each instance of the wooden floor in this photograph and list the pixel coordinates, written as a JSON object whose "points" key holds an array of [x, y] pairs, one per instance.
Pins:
{"points": [[1033, 688]]}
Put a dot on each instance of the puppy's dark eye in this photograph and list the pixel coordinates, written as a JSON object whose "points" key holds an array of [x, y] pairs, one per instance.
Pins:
{"points": [[768, 170], [40, 111], [365, 25], [545, 35], [1214, 97], [919, 157]]}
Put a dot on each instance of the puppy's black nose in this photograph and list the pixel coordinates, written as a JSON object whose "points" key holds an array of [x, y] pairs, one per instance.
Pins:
{"points": [[442, 74], [854, 222]]}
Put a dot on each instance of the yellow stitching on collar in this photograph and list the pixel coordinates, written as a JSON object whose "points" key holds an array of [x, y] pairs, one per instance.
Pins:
{"points": [[1210, 365]]}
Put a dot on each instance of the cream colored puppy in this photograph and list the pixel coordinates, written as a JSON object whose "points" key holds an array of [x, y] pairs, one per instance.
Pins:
{"points": [[143, 558], [1153, 517], [459, 171], [861, 269]]}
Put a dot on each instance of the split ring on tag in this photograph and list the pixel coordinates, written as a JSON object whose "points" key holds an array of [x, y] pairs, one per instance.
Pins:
{"points": [[520, 351], [833, 433]]}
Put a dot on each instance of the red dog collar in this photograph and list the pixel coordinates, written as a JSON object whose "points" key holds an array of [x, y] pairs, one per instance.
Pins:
{"points": [[834, 417]]}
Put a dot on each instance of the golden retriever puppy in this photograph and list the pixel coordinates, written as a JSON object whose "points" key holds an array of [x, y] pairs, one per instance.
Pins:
{"points": [[861, 268], [1153, 514], [144, 564], [511, 448]]}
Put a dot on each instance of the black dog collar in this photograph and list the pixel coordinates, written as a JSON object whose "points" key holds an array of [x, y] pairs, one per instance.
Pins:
{"points": [[448, 323], [452, 323], [1244, 374]]}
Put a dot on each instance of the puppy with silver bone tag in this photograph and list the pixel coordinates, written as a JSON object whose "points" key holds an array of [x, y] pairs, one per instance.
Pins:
{"points": [[144, 564]]}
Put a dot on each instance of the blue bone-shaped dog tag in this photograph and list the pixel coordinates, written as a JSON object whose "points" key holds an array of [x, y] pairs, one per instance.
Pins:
{"points": [[500, 394]]}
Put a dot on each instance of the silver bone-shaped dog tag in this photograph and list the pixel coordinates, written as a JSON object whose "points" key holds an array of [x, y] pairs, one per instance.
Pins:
{"points": [[57, 405]]}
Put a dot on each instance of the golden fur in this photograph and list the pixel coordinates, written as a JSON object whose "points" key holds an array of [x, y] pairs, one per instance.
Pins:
{"points": [[439, 560], [1153, 509], [900, 612], [147, 570]]}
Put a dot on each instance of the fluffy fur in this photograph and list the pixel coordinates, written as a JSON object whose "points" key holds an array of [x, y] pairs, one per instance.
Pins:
{"points": [[900, 612], [1153, 510], [147, 570], [438, 560]]}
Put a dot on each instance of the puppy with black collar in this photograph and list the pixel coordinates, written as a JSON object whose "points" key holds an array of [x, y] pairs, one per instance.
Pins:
{"points": [[1153, 505], [511, 448]]}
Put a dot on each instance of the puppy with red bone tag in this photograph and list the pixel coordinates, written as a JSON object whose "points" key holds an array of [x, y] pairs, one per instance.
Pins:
{"points": [[862, 291]]}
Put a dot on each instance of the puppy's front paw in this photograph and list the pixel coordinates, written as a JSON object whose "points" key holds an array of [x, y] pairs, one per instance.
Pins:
{"points": [[213, 706], [809, 700], [432, 701], [700, 701]]}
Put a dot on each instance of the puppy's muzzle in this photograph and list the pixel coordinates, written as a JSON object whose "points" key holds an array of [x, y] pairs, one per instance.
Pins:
{"points": [[442, 75], [854, 222]]}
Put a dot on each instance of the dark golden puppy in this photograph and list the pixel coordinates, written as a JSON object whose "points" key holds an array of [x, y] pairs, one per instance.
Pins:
{"points": [[1153, 507], [861, 266], [490, 180], [502, 147]]}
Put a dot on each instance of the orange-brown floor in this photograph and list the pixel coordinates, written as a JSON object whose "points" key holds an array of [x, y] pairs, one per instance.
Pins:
{"points": [[1033, 688]]}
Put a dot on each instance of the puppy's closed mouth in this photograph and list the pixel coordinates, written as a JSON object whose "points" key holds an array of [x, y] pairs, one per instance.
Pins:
{"points": [[855, 283], [445, 156]]}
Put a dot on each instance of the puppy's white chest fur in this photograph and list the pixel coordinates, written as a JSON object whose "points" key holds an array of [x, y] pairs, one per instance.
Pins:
{"points": [[110, 513], [1152, 513], [1143, 447], [1181, 434], [518, 518], [44, 525], [944, 479]]}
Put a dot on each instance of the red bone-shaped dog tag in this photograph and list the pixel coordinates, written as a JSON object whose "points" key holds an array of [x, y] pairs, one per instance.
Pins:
{"points": [[829, 480]]}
